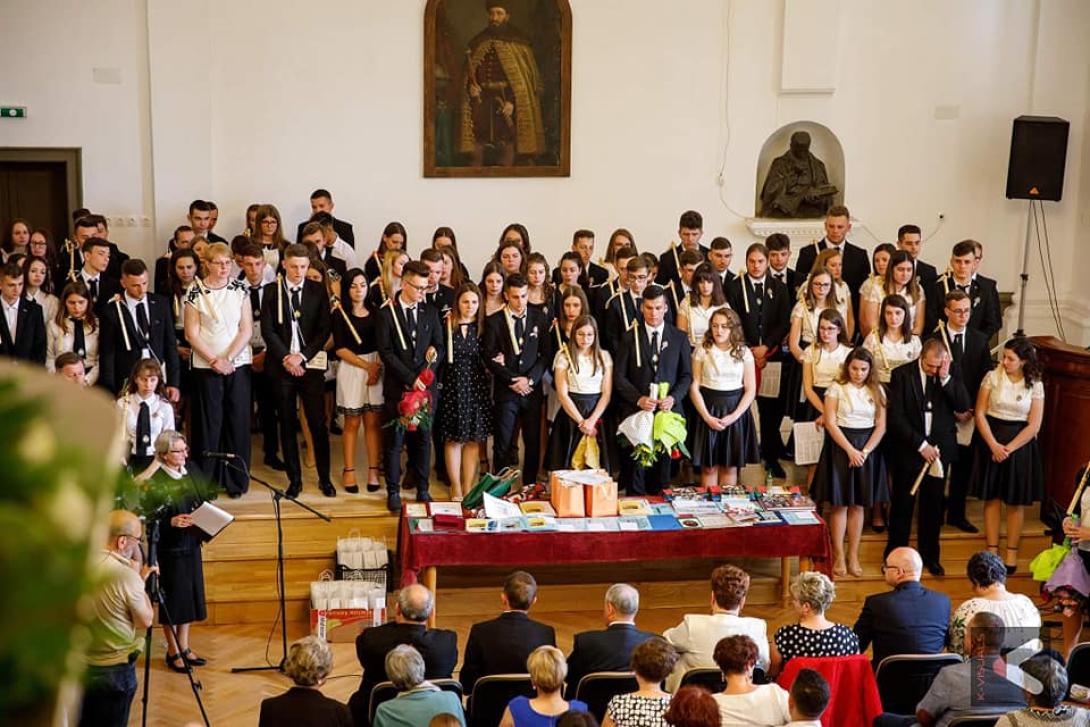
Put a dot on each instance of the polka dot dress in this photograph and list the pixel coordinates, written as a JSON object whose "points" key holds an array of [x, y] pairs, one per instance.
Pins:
{"points": [[632, 710], [465, 413], [796, 640]]}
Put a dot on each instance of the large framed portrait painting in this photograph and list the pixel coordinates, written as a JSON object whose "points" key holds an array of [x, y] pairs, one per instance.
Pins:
{"points": [[497, 88]]}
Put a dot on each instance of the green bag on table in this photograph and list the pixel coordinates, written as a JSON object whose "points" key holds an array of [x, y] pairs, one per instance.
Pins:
{"points": [[496, 485]]}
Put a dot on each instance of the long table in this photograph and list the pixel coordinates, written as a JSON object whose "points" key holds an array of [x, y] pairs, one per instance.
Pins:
{"points": [[421, 554]]}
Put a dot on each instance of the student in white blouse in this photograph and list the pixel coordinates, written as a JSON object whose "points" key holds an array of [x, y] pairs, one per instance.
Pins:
{"points": [[723, 438], [851, 474], [831, 260], [74, 328], [821, 367], [900, 279], [1007, 460], [148, 413], [892, 341], [705, 298], [873, 285]]}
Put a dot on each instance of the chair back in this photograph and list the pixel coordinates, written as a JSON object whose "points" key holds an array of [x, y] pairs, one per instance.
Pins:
{"points": [[385, 691], [1078, 666], [709, 678], [904, 679], [597, 688], [491, 695], [974, 720], [854, 692]]}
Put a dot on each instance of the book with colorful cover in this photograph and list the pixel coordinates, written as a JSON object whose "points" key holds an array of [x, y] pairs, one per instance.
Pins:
{"points": [[663, 522], [688, 522], [662, 508], [787, 502], [767, 517], [715, 521], [421, 525], [799, 517], [630, 523], [480, 525]]}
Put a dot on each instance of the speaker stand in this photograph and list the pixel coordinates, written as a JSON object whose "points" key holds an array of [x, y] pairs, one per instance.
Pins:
{"points": [[1025, 274]]}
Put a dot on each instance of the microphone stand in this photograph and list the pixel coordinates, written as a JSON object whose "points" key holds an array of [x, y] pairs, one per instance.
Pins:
{"points": [[277, 496], [156, 594]]}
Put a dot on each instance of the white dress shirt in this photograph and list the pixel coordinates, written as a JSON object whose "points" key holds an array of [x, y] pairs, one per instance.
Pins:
{"points": [[698, 633]]}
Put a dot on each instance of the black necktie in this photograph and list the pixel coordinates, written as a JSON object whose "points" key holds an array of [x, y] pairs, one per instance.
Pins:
{"points": [[655, 348], [142, 319], [957, 342], [520, 329], [296, 303], [93, 283], [759, 289], [412, 322], [779, 277], [143, 428], [79, 344], [255, 299], [929, 392]]}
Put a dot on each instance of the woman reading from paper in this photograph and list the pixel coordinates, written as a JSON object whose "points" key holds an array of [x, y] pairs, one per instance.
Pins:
{"points": [[181, 573]]}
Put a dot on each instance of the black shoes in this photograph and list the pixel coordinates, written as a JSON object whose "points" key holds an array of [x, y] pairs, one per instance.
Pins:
{"points": [[194, 660], [935, 568], [393, 502], [963, 525], [294, 489], [423, 496], [327, 489], [275, 463]]}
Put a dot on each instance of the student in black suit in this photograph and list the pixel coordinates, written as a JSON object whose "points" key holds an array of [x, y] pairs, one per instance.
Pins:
{"points": [[764, 305], [70, 257], [516, 350], [690, 230], [95, 273], [623, 308], [910, 239], [296, 324], [322, 201], [200, 219], [137, 325], [502, 645], [988, 286], [719, 257], [592, 274], [314, 239], [22, 325], [263, 385], [983, 297], [182, 239], [910, 619], [438, 296], [309, 662], [602, 299], [923, 396], [972, 360], [439, 647], [611, 648], [838, 223], [410, 340], [652, 352]]}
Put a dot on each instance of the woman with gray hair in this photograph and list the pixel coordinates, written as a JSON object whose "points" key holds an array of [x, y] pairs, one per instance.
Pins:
{"points": [[181, 574], [418, 700], [1045, 686], [308, 663], [813, 635]]}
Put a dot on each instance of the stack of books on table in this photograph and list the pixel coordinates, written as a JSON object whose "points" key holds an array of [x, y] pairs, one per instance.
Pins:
{"points": [[691, 508]]}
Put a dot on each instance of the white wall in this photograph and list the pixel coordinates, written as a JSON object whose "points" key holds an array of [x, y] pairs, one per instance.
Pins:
{"points": [[264, 100]]}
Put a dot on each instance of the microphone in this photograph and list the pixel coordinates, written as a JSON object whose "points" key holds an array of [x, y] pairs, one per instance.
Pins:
{"points": [[218, 455]]}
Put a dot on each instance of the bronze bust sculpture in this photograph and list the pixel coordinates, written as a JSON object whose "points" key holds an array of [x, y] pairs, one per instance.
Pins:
{"points": [[797, 185]]}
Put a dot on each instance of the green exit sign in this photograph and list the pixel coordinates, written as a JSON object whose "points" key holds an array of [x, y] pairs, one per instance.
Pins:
{"points": [[13, 112]]}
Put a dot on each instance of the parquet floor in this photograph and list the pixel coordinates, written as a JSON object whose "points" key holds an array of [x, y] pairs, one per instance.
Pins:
{"points": [[234, 699]]}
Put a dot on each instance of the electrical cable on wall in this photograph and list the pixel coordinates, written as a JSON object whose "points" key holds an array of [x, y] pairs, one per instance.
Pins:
{"points": [[720, 179]]}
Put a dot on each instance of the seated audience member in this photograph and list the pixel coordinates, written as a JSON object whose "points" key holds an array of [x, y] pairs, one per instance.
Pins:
{"points": [[1045, 705], [547, 670], [417, 700], [308, 664], [910, 619], [22, 325], [697, 634], [651, 661], [692, 707], [977, 685], [70, 366], [813, 635], [988, 576], [572, 718], [611, 648], [438, 647], [742, 702], [502, 645], [445, 720], [808, 698]]}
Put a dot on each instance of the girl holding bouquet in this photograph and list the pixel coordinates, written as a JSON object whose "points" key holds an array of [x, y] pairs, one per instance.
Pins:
{"points": [[851, 474], [723, 437], [584, 381], [465, 415]]}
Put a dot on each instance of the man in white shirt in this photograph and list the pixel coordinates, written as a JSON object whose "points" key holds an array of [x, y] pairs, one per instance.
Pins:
{"points": [[697, 634], [808, 699]]}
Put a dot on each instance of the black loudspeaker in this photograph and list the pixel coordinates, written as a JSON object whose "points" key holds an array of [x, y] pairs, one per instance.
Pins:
{"points": [[1038, 154]]}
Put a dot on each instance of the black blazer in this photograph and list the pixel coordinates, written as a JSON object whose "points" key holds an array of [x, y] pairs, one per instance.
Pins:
{"points": [[442, 300], [983, 296], [856, 265], [401, 366], [791, 278], [531, 362], [343, 229], [334, 263], [439, 647], [113, 268], [617, 307], [29, 343], [315, 324], [972, 365], [630, 381], [116, 363], [607, 650], [593, 276], [303, 707], [161, 279], [910, 619], [906, 416], [668, 265], [766, 324], [926, 274], [501, 646]]}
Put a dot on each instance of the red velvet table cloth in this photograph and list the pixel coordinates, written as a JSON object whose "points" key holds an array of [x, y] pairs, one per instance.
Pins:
{"points": [[459, 548]]}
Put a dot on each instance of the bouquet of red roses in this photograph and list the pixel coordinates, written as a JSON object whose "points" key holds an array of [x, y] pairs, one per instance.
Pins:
{"points": [[414, 409]]}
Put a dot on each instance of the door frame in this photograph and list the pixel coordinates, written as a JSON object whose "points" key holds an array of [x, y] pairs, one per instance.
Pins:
{"points": [[71, 157]]}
